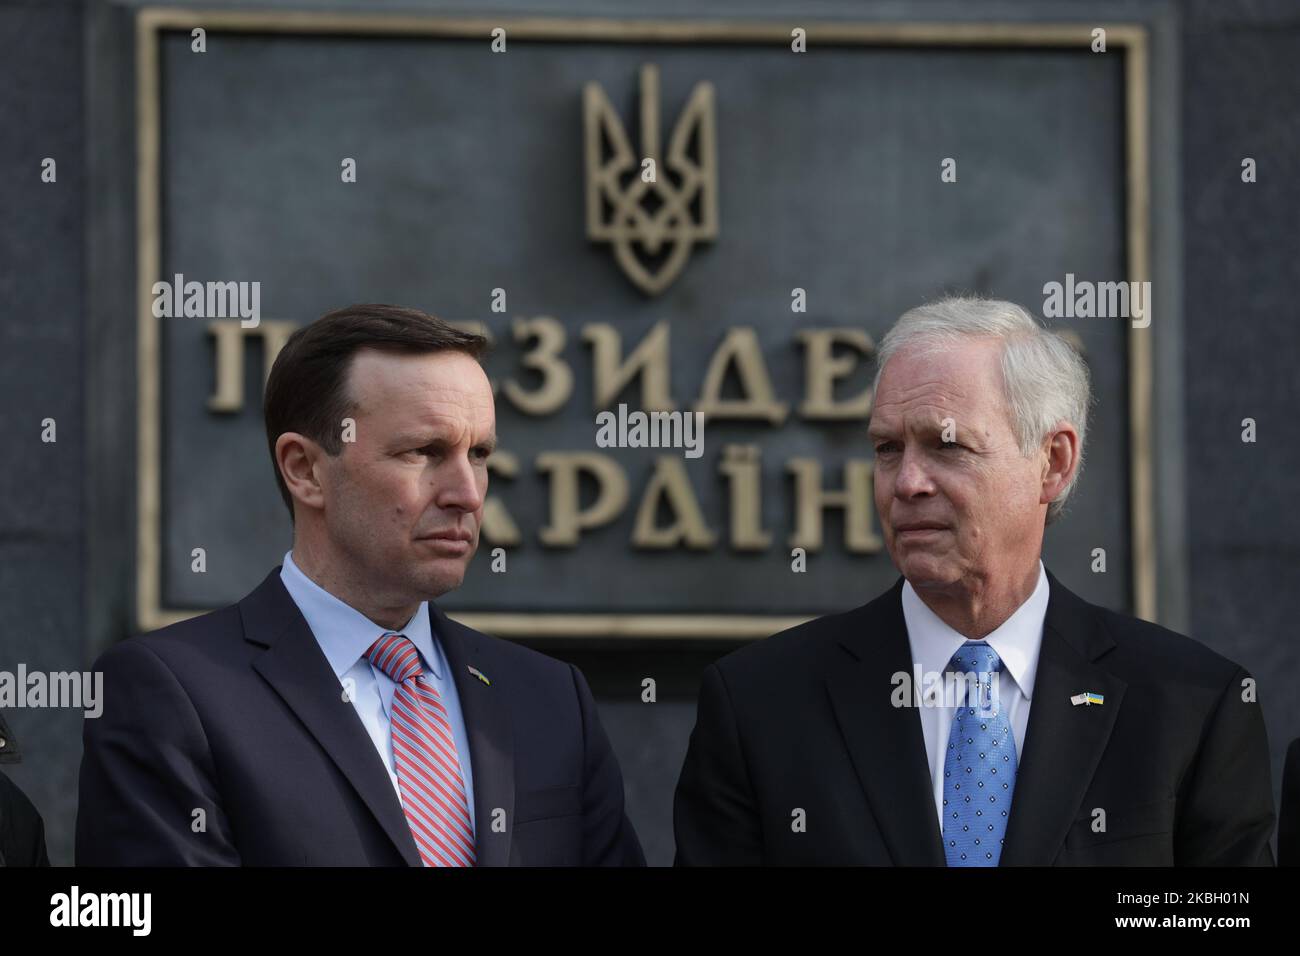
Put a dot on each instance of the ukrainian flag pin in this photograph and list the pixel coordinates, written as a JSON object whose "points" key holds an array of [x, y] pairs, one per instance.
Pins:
{"points": [[1087, 698], [479, 674]]}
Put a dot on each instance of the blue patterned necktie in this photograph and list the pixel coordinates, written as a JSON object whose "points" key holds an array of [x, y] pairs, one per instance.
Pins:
{"points": [[979, 770]]}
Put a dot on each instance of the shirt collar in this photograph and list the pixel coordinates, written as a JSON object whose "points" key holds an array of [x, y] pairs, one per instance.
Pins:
{"points": [[1017, 640], [344, 633]]}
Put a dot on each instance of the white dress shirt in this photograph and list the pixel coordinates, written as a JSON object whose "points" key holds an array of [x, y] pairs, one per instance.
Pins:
{"points": [[345, 634], [1017, 641]]}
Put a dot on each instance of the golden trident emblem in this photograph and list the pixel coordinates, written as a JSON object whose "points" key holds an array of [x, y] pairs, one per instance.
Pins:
{"points": [[639, 215]]}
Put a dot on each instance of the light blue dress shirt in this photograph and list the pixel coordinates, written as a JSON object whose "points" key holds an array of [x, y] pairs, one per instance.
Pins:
{"points": [[345, 634]]}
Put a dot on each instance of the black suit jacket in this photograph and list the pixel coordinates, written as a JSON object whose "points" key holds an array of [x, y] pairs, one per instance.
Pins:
{"points": [[1288, 823], [804, 720], [22, 831], [237, 713]]}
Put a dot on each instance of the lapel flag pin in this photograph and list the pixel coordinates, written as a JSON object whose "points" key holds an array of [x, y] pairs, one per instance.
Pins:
{"points": [[1087, 698], [479, 674]]}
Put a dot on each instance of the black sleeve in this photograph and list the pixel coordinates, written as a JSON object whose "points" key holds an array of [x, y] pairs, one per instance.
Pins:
{"points": [[715, 815], [22, 832], [1288, 824], [145, 770], [608, 838], [1227, 816]]}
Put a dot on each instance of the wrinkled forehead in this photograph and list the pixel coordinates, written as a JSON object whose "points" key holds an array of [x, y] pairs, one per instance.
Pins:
{"points": [[929, 380]]}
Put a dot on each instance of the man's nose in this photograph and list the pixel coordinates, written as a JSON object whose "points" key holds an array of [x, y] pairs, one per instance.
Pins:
{"points": [[912, 479], [458, 487]]}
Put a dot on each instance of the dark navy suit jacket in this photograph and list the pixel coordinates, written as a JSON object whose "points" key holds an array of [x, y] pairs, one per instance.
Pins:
{"points": [[1176, 755], [226, 739]]}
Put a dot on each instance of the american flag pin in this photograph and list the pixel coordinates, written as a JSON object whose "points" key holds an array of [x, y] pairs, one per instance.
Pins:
{"points": [[1087, 698]]}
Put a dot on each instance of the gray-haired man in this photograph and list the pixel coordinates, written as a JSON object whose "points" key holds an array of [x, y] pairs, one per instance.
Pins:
{"points": [[1063, 733]]}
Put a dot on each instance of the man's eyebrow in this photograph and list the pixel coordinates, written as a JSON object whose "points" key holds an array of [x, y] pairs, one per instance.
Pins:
{"points": [[925, 427], [424, 439], [418, 439]]}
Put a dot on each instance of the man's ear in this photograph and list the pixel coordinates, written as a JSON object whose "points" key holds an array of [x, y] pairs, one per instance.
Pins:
{"points": [[297, 457], [1061, 463]]}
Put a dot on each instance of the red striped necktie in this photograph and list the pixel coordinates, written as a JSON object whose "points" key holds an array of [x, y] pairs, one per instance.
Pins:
{"points": [[428, 771]]}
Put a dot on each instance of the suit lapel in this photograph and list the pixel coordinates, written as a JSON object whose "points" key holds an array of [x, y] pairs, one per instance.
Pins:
{"points": [[487, 726], [1063, 742], [885, 742], [294, 665]]}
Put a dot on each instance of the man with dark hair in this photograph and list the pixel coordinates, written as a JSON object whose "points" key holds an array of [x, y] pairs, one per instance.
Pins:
{"points": [[335, 715]]}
